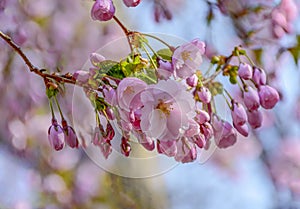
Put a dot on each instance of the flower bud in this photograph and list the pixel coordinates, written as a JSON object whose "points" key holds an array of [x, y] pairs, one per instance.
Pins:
{"points": [[81, 76], [243, 129], [251, 99], [186, 151], [168, 148], [259, 76], [125, 147], [96, 58], [70, 137], [56, 136], [199, 140], [245, 71], [227, 135], [268, 96], [106, 149], [204, 95], [202, 116], [103, 10], [131, 3], [255, 118], [238, 114], [192, 80]]}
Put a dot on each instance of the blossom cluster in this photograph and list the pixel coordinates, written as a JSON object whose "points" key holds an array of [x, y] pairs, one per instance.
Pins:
{"points": [[172, 109]]}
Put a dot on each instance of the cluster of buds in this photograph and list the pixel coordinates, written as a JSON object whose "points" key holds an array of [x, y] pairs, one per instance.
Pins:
{"points": [[168, 104], [59, 135]]}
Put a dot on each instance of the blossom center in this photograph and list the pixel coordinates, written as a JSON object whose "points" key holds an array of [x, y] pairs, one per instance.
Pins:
{"points": [[186, 55], [164, 107], [129, 90]]}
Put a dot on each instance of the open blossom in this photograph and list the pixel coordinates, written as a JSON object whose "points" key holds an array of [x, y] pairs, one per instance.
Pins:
{"points": [[268, 96], [131, 3], [128, 93], [187, 58], [103, 10], [167, 109], [56, 136], [251, 99]]}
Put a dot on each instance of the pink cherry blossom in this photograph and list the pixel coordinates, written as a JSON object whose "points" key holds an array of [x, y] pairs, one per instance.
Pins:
{"points": [[204, 95], [254, 118], [187, 58], [103, 10], [268, 96], [131, 3], [56, 136], [128, 93], [70, 137], [110, 96], [167, 109], [245, 71], [81, 76], [238, 114], [251, 99]]}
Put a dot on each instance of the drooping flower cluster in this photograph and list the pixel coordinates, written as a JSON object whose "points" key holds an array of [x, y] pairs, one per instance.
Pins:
{"points": [[173, 107]]}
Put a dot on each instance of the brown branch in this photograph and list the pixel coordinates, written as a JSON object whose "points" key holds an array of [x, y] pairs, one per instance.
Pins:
{"points": [[31, 67]]}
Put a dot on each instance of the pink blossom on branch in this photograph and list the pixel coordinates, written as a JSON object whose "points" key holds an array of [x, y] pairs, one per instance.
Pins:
{"points": [[131, 3], [103, 10]]}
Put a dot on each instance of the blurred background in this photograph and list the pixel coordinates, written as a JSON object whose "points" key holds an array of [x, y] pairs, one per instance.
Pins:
{"points": [[261, 171]]}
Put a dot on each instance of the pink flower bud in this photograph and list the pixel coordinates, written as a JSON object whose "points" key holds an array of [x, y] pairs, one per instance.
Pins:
{"points": [[245, 71], [56, 136], [199, 140], [259, 76], [131, 3], [110, 113], [103, 10], [207, 130], [238, 114], [204, 95], [165, 70], [224, 133], [146, 142], [125, 147], [168, 148], [110, 96], [243, 129], [192, 80], [70, 137], [268, 96], [251, 99], [106, 149], [254, 118], [96, 58], [186, 151], [202, 116], [81, 76]]}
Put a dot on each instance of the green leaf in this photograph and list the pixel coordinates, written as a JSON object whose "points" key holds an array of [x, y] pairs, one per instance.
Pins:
{"points": [[148, 76], [110, 68], [166, 54]]}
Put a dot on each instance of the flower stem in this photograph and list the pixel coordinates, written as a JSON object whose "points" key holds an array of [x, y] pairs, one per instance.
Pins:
{"points": [[158, 39], [125, 30], [51, 108], [58, 106]]}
